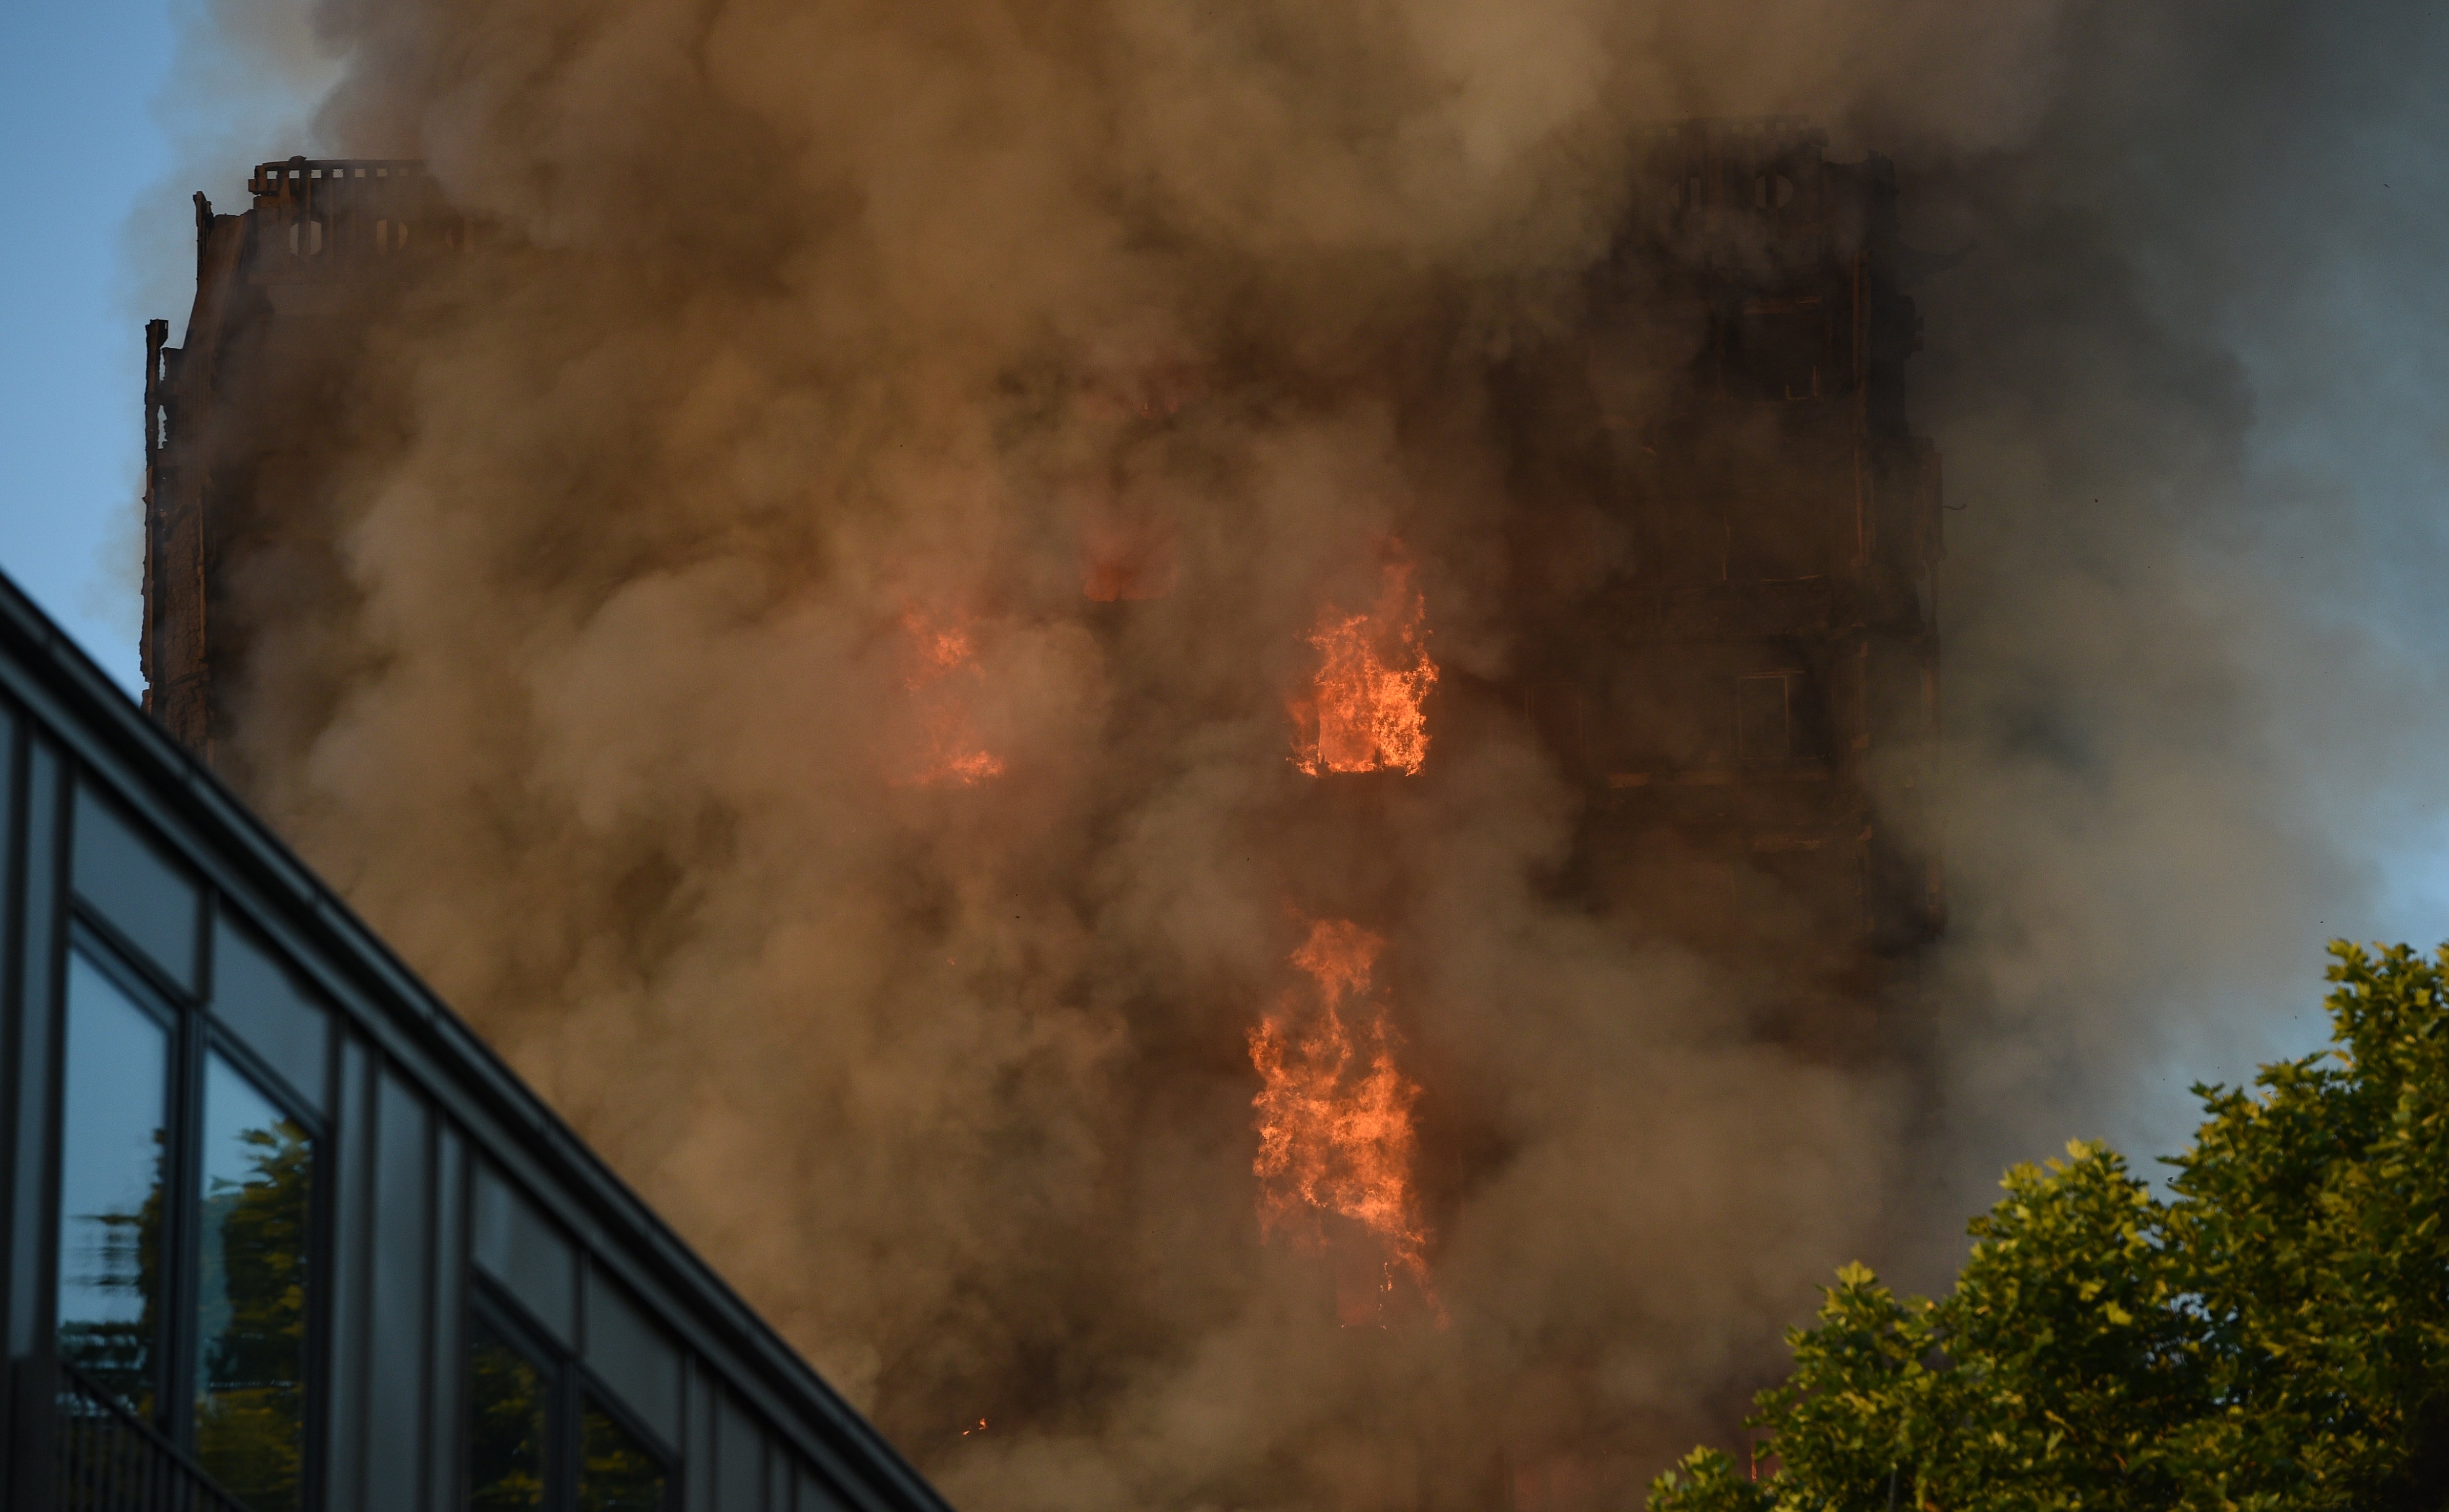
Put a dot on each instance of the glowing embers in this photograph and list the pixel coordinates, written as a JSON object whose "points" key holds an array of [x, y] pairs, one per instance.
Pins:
{"points": [[1373, 672], [1125, 560], [942, 677], [1335, 1117]]}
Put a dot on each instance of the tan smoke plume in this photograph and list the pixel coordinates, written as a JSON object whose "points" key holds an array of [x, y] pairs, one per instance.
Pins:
{"points": [[717, 714]]}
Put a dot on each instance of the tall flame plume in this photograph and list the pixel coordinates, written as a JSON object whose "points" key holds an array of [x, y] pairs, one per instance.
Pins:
{"points": [[1334, 1113]]}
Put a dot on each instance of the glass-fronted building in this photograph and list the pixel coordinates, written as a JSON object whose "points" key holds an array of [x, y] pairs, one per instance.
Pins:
{"points": [[281, 1233]]}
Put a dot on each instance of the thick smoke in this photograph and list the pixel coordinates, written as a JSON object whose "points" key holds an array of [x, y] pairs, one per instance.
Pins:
{"points": [[813, 334]]}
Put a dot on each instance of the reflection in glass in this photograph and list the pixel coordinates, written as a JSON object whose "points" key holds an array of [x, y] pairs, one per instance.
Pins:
{"points": [[506, 1430], [110, 1188], [615, 1471], [251, 1292]]}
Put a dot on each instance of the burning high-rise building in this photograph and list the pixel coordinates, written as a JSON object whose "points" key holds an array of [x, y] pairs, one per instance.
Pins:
{"points": [[1726, 536], [1713, 631]]}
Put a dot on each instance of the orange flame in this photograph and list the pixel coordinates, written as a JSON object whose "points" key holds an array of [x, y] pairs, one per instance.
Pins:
{"points": [[1334, 1114], [950, 748], [1373, 674]]}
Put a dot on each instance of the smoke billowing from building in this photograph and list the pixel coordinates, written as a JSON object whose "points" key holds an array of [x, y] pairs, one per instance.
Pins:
{"points": [[794, 626]]}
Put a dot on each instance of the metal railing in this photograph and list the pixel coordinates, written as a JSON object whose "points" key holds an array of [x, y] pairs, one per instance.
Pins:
{"points": [[110, 1460]]}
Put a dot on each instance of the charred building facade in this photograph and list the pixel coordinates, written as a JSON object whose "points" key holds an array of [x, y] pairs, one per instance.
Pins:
{"points": [[1748, 690], [284, 296], [1726, 536], [1722, 541]]}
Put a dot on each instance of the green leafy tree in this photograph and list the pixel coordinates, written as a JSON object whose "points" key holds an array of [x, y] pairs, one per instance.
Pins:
{"points": [[2274, 1335]]}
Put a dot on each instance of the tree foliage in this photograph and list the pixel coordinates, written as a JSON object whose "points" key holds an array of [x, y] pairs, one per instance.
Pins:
{"points": [[2272, 1335]]}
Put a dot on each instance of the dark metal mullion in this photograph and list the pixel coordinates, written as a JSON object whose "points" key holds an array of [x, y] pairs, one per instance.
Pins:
{"points": [[45, 959], [322, 1252], [561, 1489], [349, 1274], [181, 1350], [572, 1374], [429, 1342], [37, 967], [449, 1399], [18, 1218]]}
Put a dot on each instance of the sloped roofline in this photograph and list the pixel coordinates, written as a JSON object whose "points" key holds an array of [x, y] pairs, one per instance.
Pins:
{"points": [[78, 704]]}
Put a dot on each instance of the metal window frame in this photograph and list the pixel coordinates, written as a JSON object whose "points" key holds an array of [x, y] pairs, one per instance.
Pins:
{"points": [[178, 1114], [570, 1388], [193, 1035]]}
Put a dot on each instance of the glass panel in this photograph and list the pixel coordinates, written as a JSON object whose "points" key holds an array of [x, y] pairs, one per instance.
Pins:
{"points": [[739, 1461], [404, 1254], [110, 1188], [632, 1356], [524, 1250], [252, 1227], [255, 993], [506, 1429], [151, 898], [615, 1471], [350, 1196]]}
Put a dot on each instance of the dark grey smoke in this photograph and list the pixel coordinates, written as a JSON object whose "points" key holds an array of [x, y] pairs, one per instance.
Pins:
{"points": [[2188, 386]]}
